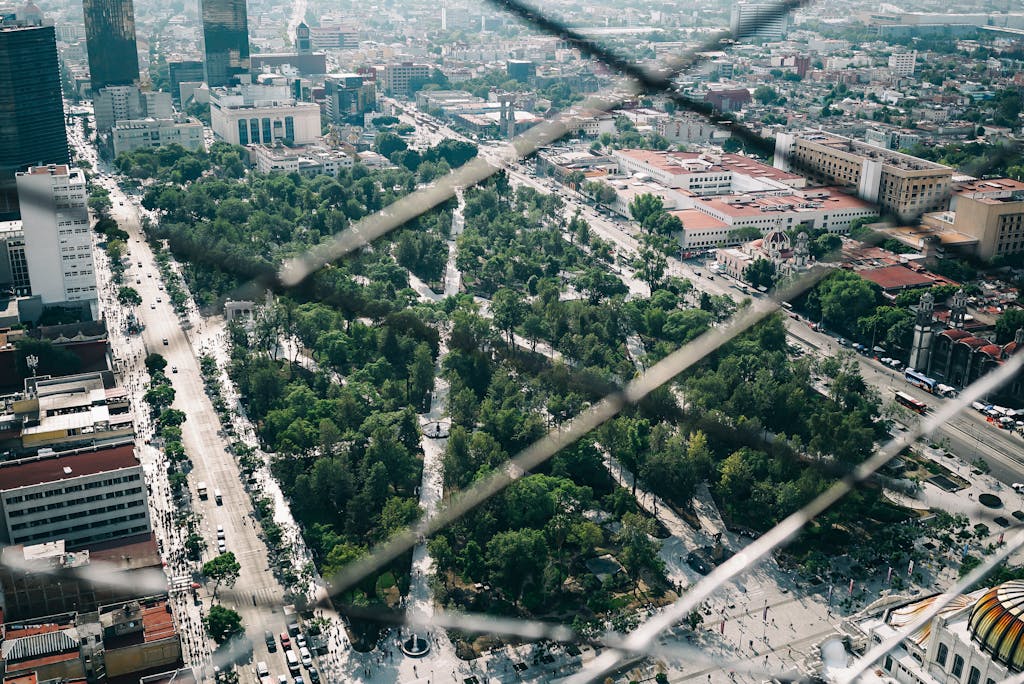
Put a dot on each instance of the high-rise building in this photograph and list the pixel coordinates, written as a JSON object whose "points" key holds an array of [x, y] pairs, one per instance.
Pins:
{"points": [[58, 241], [187, 71], [903, 63], [225, 41], [398, 78], [110, 41], [347, 97], [31, 110], [759, 21]]}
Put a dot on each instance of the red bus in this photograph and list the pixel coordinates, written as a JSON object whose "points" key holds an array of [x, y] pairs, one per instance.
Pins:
{"points": [[904, 399]]}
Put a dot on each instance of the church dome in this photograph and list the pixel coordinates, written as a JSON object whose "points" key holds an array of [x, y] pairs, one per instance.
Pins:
{"points": [[996, 623]]}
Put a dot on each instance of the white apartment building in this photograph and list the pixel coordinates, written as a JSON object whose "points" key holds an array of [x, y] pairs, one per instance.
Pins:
{"points": [[82, 497], [307, 161], [58, 239], [262, 114], [903, 63], [132, 134], [396, 77]]}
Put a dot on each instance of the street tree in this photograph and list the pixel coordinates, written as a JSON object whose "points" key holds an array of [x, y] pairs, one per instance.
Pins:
{"points": [[222, 623], [761, 273], [507, 308], [644, 205], [222, 569], [129, 296]]}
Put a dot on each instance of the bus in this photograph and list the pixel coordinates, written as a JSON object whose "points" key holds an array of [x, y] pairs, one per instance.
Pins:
{"points": [[904, 399], [920, 380]]}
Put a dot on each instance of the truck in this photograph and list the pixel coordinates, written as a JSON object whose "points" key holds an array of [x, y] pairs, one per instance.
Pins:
{"points": [[201, 488], [217, 497]]}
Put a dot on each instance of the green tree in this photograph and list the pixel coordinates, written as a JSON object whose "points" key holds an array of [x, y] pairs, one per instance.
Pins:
{"points": [[387, 143], [223, 569], [644, 205], [515, 557], [760, 273], [155, 363], [1008, 324], [507, 308], [639, 554], [129, 296], [222, 623]]}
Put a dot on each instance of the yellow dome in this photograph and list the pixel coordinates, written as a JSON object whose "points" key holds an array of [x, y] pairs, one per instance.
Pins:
{"points": [[997, 623]]}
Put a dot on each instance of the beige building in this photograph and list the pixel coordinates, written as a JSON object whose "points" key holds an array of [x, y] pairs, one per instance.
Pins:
{"points": [[899, 183], [993, 212]]}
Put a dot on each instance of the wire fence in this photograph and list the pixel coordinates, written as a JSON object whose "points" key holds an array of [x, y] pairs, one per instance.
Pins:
{"points": [[643, 641]]}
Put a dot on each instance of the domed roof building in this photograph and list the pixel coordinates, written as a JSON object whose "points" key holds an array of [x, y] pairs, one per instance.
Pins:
{"points": [[977, 638]]}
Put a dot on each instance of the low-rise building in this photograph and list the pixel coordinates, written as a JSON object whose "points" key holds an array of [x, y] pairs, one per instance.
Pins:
{"points": [[899, 183], [307, 161], [68, 412], [815, 209], [82, 496], [44, 579], [254, 114], [114, 641], [133, 134]]}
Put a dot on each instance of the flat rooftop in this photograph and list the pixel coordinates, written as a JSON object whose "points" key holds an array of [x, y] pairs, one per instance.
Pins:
{"points": [[740, 206], [27, 472], [694, 219], [676, 163], [863, 149]]}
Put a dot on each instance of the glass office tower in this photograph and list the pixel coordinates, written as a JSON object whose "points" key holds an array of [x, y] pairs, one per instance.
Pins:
{"points": [[31, 109], [110, 40], [225, 41]]}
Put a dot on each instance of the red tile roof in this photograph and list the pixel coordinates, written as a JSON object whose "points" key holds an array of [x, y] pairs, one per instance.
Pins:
{"points": [[40, 469], [896, 277]]}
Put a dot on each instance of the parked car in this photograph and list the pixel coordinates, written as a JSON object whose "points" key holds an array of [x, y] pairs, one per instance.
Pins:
{"points": [[268, 636]]}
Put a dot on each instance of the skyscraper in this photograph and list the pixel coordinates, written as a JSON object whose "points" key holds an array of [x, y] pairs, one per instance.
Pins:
{"points": [[225, 41], [110, 40], [31, 111]]}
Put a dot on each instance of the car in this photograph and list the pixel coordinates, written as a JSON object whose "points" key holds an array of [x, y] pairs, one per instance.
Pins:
{"points": [[300, 640], [282, 679], [305, 657], [1018, 487], [153, 306], [299, 680], [174, 369], [166, 342], [268, 636], [138, 281], [314, 676], [158, 300], [286, 641], [220, 535], [221, 546]]}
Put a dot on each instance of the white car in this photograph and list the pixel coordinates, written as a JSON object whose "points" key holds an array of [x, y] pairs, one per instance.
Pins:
{"points": [[307, 660], [1019, 487], [220, 531]]}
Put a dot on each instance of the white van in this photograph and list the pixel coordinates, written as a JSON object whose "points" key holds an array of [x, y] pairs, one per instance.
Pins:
{"points": [[307, 660], [217, 497], [293, 661]]}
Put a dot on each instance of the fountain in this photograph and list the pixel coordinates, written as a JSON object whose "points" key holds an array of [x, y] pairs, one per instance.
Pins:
{"points": [[415, 646]]}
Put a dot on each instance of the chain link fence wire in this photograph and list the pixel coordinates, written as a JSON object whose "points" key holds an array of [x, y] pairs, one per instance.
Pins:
{"points": [[642, 641], [785, 531]]}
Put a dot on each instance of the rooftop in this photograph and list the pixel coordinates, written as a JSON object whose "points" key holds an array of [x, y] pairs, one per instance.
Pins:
{"points": [[682, 163], [37, 470], [697, 220], [822, 199], [899, 277]]}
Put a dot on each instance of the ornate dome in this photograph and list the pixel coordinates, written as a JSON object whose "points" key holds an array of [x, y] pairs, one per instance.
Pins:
{"points": [[996, 623]]}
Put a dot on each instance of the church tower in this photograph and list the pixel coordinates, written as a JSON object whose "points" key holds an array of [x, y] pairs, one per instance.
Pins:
{"points": [[958, 313], [921, 347]]}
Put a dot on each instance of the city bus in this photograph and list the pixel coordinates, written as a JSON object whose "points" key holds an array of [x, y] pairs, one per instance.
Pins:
{"points": [[920, 380], [904, 399]]}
